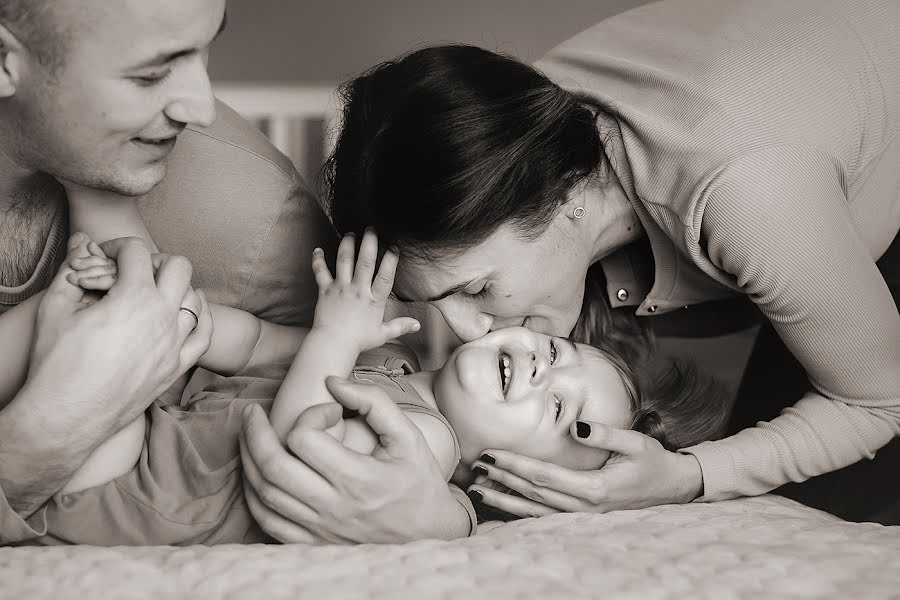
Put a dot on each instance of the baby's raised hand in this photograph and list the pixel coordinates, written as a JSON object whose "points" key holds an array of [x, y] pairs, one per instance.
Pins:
{"points": [[351, 304]]}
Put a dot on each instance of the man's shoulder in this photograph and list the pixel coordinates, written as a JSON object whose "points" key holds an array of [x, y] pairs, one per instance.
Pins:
{"points": [[231, 139]]}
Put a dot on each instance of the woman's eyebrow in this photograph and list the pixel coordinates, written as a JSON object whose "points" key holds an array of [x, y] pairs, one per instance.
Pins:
{"points": [[453, 290]]}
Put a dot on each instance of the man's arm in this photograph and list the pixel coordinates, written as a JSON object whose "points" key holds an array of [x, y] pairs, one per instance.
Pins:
{"points": [[93, 369]]}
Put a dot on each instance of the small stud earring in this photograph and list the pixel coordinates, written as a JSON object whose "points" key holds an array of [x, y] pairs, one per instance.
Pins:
{"points": [[578, 213]]}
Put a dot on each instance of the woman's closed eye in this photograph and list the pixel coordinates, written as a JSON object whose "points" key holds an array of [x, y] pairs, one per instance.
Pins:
{"points": [[477, 295]]}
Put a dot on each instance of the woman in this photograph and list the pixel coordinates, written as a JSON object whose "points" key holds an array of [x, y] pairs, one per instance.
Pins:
{"points": [[747, 148]]}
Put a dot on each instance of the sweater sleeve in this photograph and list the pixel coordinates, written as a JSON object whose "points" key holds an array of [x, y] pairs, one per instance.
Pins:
{"points": [[778, 225]]}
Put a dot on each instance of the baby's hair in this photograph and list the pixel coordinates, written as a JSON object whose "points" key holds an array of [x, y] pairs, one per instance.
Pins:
{"points": [[672, 401]]}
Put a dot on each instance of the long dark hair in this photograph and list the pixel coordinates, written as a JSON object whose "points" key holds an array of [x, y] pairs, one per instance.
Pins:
{"points": [[442, 146]]}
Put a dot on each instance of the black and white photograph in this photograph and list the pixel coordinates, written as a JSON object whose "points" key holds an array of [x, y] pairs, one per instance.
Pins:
{"points": [[382, 299]]}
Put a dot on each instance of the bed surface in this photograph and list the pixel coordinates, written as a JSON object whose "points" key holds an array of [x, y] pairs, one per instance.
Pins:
{"points": [[766, 546]]}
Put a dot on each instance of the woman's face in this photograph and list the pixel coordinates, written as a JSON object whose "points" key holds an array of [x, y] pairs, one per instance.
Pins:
{"points": [[505, 281], [518, 390]]}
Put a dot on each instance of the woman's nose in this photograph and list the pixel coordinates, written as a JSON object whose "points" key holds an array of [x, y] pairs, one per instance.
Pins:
{"points": [[503, 322], [467, 323], [538, 365]]}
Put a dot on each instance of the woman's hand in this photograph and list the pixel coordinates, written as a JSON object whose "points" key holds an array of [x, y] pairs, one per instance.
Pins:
{"points": [[318, 491], [640, 473]]}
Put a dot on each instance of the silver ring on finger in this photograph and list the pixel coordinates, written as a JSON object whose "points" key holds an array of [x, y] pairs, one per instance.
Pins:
{"points": [[193, 314]]}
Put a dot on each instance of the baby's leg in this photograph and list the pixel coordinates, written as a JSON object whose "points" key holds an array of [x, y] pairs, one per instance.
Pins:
{"points": [[114, 457]]}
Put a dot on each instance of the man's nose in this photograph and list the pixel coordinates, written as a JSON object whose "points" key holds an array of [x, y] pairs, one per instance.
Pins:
{"points": [[539, 365], [193, 103], [467, 323]]}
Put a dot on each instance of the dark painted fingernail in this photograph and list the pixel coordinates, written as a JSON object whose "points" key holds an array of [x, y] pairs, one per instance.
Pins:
{"points": [[487, 458], [480, 471], [475, 495], [583, 429]]}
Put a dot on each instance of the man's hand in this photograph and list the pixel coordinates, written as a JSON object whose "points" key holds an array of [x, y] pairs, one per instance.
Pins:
{"points": [[94, 367], [325, 493]]}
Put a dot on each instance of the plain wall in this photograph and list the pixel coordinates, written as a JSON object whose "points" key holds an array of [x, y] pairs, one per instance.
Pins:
{"points": [[327, 41]]}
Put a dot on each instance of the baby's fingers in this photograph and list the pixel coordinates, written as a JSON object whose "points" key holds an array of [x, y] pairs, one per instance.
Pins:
{"points": [[365, 262], [399, 326], [96, 250], [343, 269], [87, 262], [100, 283], [320, 269], [92, 272], [384, 281]]}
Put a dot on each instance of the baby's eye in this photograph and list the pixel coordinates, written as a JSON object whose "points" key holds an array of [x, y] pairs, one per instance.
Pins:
{"points": [[554, 352]]}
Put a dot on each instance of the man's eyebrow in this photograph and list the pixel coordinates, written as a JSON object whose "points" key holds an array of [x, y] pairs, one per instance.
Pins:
{"points": [[167, 57]]}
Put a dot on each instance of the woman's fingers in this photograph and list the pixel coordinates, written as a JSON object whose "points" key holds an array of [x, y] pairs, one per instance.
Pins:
{"points": [[514, 505], [343, 269], [541, 495], [384, 280], [539, 473], [598, 435], [365, 262]]}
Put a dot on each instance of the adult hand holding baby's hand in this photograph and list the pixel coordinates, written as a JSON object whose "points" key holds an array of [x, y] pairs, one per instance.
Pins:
{"points": [[351, 304], [638, 474], [95, 366]]}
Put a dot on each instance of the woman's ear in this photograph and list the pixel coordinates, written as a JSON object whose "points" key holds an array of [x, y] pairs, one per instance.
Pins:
{"points": [[12, 54]]}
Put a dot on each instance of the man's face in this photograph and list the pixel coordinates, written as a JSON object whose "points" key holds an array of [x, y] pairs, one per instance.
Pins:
{"points": [[133, 77]]}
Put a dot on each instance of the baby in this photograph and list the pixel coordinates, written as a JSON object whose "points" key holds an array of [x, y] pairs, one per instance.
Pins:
{"points": [[174, 477]]}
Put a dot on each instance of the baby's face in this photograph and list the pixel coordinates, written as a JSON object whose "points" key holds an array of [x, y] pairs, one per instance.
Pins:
{"points": [[518, 390]]}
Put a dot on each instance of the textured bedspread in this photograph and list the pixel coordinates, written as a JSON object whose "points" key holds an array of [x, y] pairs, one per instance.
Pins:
{"points": [[746, 548]]}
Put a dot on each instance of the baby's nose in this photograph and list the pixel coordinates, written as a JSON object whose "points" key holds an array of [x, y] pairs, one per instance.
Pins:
{"points": [[539, 365]]}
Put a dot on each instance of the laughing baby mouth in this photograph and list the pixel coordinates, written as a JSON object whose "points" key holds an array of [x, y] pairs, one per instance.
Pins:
{"points": [[504, 365]]}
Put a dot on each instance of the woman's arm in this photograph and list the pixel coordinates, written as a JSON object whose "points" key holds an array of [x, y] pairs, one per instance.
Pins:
{"points": [[779, 222]]}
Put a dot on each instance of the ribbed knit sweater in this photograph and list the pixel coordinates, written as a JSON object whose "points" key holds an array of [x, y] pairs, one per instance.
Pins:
{"points": [[759, 142]]}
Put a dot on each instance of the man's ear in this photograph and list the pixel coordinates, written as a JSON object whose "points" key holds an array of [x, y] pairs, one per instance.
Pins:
{"points": [[12, 53]]}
